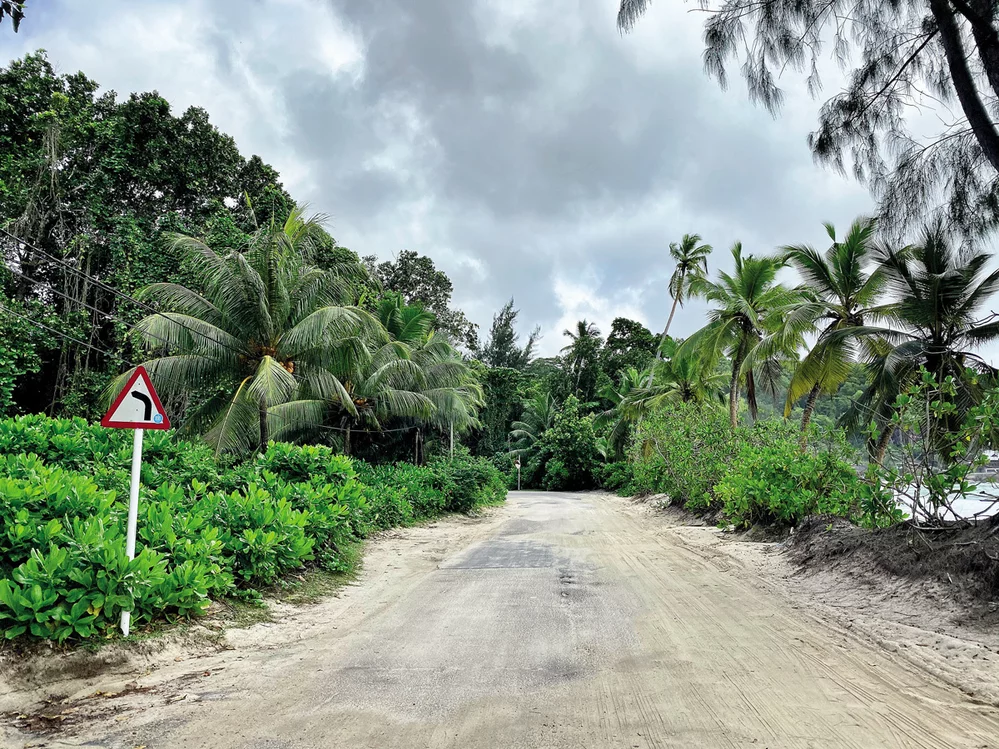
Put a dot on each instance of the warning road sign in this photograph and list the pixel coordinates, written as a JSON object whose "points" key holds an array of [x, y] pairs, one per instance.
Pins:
{"points": [[137, 406]]}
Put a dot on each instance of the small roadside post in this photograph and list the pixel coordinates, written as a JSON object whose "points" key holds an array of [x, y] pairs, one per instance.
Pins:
{"points": [[136, 407], [517, 463]]}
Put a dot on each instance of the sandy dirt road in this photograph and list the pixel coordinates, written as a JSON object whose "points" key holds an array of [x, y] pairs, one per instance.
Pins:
{"points": [[558, 620]]}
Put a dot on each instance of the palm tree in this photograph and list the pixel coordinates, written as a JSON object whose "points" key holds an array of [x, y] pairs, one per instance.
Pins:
{"points": [[403, 322], [691, 260], [538, 417], [582, 355], [935, 321], [685, 376], [843, 296], [691, 263], [620, 416], [423, 384], [681, 376], [266, 331], [743, 302]]}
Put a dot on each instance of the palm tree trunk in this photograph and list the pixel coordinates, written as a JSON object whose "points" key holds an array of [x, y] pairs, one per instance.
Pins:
{"points": [[669, 322], [264, 435], [733, 393], [882, 446], [806, 418], [662, 340], [346, 442]]}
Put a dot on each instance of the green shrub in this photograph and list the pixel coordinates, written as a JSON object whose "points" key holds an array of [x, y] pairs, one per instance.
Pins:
{"points": [[616, 477], [63, 564], [467, 482], [565, 456], [205, 529], [775, 482], [683, 451]]}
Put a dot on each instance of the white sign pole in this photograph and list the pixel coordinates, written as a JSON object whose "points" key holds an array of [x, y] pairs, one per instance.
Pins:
{"points": [[133, 514]]}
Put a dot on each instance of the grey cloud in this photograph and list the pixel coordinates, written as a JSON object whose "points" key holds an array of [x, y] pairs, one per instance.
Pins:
{"points": [[540, 150]]}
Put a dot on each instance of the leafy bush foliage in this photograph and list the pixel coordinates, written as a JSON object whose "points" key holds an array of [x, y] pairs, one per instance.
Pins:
{"points": [[205, 530], [758, 474], [683, 451], [616, 477], [774, 482], [565, 457]]}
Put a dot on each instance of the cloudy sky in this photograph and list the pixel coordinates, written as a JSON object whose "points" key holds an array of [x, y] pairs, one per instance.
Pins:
{"points": [[525, 145]]}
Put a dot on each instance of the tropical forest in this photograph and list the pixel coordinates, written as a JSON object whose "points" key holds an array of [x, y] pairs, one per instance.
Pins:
{"points": [[345, 433]]}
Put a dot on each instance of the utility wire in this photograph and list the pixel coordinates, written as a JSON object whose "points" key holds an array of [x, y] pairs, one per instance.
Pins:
{"points": [[117, 292], [90, 346], [142, 305], [102, 313], [67, 336]]}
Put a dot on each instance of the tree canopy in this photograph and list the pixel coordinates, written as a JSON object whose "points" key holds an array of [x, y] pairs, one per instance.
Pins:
{"points": [[938, 58]]}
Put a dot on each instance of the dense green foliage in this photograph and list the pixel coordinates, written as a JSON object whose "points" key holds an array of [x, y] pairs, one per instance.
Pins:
{"points": [[205, 530], [147, 237], [757, 474]]}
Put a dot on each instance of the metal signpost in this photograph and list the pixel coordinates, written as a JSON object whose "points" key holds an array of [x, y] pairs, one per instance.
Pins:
{"points": [[518, 473], [136, 407]]}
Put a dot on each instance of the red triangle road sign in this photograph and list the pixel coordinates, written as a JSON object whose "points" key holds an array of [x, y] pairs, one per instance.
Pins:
{"points": [[137, 405]]}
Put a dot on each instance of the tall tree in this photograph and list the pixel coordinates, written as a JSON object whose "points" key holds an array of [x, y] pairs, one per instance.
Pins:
{"points": [[420, 282], [14, 9], [97, 181], [691, 259], [274, 336], [502, 348], [582, 357], [935, 321], [629, 345], [914, 56], [538, 417], [740, 317], [844, 293]]}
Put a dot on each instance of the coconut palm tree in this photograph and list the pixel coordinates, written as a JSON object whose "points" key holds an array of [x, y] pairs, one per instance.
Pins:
{"points": [[682, 375], [744, 302], [620, 415], [424, 383], [583, 357], [406, 323], [266, 330], [936, 321], [691, 260], [538, 417], [844, 295]]}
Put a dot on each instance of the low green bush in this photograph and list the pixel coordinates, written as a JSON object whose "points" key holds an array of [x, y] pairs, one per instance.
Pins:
{"points": [[759, 474], [565, 457], [683, 452], [775, 482], [616, 477], [205, 529]]}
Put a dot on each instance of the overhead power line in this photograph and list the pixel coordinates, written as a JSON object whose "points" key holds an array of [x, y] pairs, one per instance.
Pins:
{"points": [[67, 336], [116, 292]]}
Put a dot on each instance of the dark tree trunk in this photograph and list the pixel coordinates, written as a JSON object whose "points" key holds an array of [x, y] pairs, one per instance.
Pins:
{"points": [[346, 443], [882, 446], [964, 82], [733, 392], [806, 417], [264, 434], [982, 17]]}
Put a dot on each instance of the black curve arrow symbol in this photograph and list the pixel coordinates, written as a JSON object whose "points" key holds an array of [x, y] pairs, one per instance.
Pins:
{"points": [[148, 403]]}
